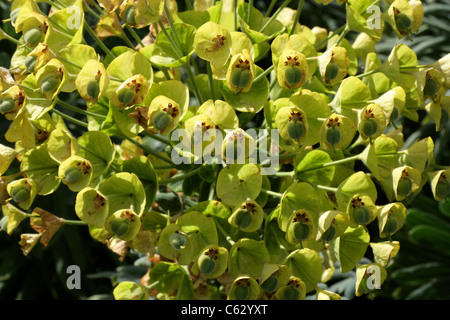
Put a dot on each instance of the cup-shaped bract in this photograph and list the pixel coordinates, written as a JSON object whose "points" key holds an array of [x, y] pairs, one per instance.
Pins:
{"points": [[337, 132], [39, 57], [92, 81], [11, 101], [51, 78], [91, 206], [391, 218], [131, 92], [292, 70], [198, 129], [401, 17], [221, 114], [212, 43], [362, 210], [406, 182], [237, 146], [430, 84], [371, 121], [141, 13], [124, 224], [274, 276], [302, 226], [333, 65], [241, 72], [331, 225], [369, 277], [23, 192], [440, 184], [211, 262], [292, 124], [247, 217], [163, 115], [295, 289], [174, 243], [243, 288], [75, 172], [34, 29]]}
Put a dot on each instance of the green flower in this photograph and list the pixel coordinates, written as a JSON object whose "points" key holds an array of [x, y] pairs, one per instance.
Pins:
{"points": [[212, 43], [247, 217], [292, 70], [23, 192], [124, 224], [75, 172], [371, 122], [333, 65], [241, 72]]}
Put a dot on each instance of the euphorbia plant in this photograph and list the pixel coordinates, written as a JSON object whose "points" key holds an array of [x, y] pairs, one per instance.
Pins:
{"points": [[199, 76]]}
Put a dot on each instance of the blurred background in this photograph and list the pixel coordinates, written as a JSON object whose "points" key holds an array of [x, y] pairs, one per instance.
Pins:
{"points": [[420, 270]]}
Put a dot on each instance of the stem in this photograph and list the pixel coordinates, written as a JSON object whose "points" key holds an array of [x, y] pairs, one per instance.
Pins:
{"points": [[172, 26], [194, 83], [134, 35], [272, 193], [340, 29], [148, 150], [285, 174], [249, 13], [368, 73], [8, 37], [210, 80], [268, 22], [180, 177], [264, 73], [342, 36], [235, 15], [224, 233], [156, 137], [99, 42], [270, 9], [332, 163], [189, 5], [74, 222], [78, 110], [71, 119], [325, 188], [297, 16]]}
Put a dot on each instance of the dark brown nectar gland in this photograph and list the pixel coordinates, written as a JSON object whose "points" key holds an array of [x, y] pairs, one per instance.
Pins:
{"points": [[99, 202], [218, 42]]}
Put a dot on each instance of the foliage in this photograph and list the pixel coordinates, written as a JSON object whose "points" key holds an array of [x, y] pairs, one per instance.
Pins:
{"points": [[96, 123]]}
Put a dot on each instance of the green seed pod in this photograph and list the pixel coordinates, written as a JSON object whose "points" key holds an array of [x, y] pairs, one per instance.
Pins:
{"points": [[370, 127], [362, 215], [177, 240], [161, 120], [404, 186], [430, 88], [49, 83], [93, 89], [290, 293], [7, 104], [129, 15], [243, 219], [33, 36], [293, 76], [247, 217], [125, 95], [329, 234], [333, 136], [295, 289], [295, 130], [20, 193], [30, 63], [331, 71], [391, 225], [402, 22], [72, 174], [240, 78], [443, 189], [301, 231], [270, 284], [207, 265], [241, 292], [120, 227], [212, 262]]}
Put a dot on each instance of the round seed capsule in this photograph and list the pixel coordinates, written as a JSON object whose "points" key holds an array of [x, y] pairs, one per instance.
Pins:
{"points": [[20, 193], [125, 95], [329, 234], [293, 76], [370, 127], [290, 293], [362, 215], [7, 104], [240, 78], [301, 231], [391, 225], [241, 292], [402, 22], [270, 284], [93, 89], [177, 241], [128, 15], [331, 71], [207, 266], [295, 130], [30, 63], [404, 186], [161, 120], [430, 87], [333, 136], [72, 174], [120, 227], [443, 189], [33, 36], [49, 83], [243, 219]]}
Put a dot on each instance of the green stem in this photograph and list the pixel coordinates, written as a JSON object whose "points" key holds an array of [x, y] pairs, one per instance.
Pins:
{"points": [[156, 137], [169, 38], [153, 285], [224, 233], [180, 177], [249, 12], [78, 110], [272, 18], [99, 42], [272, 193], [8, 37], [264, 73], [342, 35], [172, 26], [210, 80], [74, 222], [235, 15], [297, 16], [340, 29], [134, 35], [270, 9], [368, 73], [285, 174], [194, 83], [71, 119], [189, 5], [326, 188], [148, 150], [332, 163]]}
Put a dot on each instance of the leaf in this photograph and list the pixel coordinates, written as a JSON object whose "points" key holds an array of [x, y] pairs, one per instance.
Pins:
{"points": [[98, 149], [307, 265], [169, 277], [357, 183], [351, 247], [128, 290], [247, 256], [310, 167]]}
